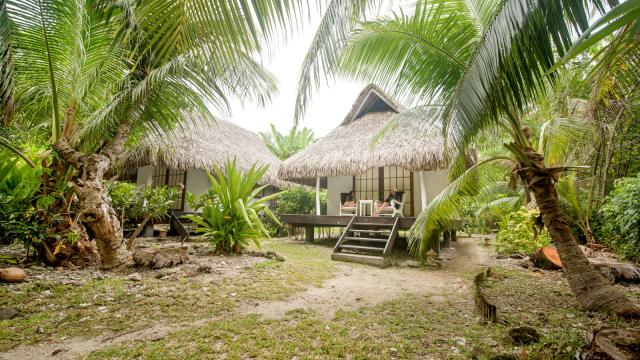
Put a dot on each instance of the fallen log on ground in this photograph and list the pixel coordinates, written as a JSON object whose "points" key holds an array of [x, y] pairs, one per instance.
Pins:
{"points": [[484, 307], [619, 272], [611, 344], [546, 258], [161, 257], [616, 272]]}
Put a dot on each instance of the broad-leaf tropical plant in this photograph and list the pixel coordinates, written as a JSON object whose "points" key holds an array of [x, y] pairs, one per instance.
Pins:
{"points": [[480, 63], [232, 210]]}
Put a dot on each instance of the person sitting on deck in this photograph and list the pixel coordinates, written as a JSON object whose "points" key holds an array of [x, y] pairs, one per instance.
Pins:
{"points": [[393, 195], [350, 200]]}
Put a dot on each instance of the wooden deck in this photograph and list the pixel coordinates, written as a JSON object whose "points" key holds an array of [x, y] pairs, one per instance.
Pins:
{"points": [[310, 221]]}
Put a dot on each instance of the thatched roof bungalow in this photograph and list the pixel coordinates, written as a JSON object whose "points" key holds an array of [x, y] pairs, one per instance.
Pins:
{"points": [[410, 155], [183, 156]]}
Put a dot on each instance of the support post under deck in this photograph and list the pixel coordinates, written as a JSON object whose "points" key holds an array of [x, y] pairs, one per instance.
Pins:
{"points": [[446, 239], [308, 233]]}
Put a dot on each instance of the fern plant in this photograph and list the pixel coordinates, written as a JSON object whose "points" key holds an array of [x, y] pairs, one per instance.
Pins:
{"points": [[230, 217]]}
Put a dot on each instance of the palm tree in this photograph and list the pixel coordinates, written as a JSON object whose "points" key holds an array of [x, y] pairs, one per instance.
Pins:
{"points": [[475, 65], [102, 73], [284, 146]]}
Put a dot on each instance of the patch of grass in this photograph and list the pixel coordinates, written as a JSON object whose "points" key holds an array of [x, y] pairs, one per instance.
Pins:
{"points": [[438, 327], [407, 328], [50, 310]]}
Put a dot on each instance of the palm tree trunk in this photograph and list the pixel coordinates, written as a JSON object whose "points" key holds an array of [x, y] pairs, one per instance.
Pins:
{"points": [[94, 204], [588, 285]]}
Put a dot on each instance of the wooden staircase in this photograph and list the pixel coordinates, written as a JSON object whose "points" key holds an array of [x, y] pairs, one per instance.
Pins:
{"points": [[367, 240]]}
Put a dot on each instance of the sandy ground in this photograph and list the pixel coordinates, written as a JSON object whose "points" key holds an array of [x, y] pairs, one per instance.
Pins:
{"points": [[353, 286]]}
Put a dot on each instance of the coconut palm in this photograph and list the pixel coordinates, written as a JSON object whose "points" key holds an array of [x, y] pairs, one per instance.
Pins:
{"points": [[477, 65], [285, 145], [101, 73]]}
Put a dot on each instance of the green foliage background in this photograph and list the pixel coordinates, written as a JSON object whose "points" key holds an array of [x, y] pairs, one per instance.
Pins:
{"points": [[133, 202], [296, 200], [621, 215], [518, 235]]}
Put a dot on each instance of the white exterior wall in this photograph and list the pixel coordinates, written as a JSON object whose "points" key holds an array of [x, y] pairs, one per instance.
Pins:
{"points": [[335, 186], [144, 176], [197, 183], [435, 182]]}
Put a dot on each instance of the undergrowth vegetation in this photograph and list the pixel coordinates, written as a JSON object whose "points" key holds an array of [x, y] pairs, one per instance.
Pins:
{"points": [[133, 202], [519, 233], [621, 215], [296, 200]]}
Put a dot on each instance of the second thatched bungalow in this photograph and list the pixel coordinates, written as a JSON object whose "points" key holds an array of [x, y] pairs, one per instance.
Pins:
{"points": [[185, 154]]}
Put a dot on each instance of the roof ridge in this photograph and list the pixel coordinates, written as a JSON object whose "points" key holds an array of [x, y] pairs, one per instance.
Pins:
{"points": [[357, 107]]}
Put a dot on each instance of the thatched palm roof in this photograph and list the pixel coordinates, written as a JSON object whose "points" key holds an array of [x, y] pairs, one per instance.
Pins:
{"points": [[202, 144], [349, 149]]}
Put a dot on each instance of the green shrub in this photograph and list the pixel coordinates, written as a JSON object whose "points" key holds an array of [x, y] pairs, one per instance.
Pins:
{"points": [[296, 200], [231, 213], [518, 234], [133, 202], [19, 205], [621, 218]]}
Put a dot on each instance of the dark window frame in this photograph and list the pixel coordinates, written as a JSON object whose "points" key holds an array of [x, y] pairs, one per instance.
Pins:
{"points": [[357, 183], [164, 175]]}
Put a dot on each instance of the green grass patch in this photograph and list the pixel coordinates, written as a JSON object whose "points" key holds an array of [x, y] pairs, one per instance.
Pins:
{"points": [[438, 327], [50, 310]]}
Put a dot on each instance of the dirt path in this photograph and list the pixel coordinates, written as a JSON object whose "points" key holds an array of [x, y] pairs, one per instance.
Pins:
{"points": [[353, 286], [356, 286]]}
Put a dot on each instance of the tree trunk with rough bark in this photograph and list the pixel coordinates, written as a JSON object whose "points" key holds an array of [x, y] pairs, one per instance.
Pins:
{"points": [[588, 285], [58, 249], [96, 212], [94, 204]]}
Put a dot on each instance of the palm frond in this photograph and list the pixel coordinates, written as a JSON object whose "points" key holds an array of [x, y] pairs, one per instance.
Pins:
{"points": [[624, 15], [284, 146], [562, 141], [321, 59], [508, 67], [510, 203], [444, 209], [436, 40]]}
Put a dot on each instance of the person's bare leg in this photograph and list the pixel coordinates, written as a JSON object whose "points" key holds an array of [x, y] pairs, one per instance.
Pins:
{"points": [[379, 209]]}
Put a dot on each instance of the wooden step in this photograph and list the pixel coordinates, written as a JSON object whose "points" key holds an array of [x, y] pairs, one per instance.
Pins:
{"points": [[359, 247], [370, 224], [356, 238], [372, 260], [385, 232]]}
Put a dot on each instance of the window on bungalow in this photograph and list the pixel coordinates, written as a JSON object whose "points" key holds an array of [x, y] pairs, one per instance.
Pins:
{"points": [[376, 184], [170, 177]]}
